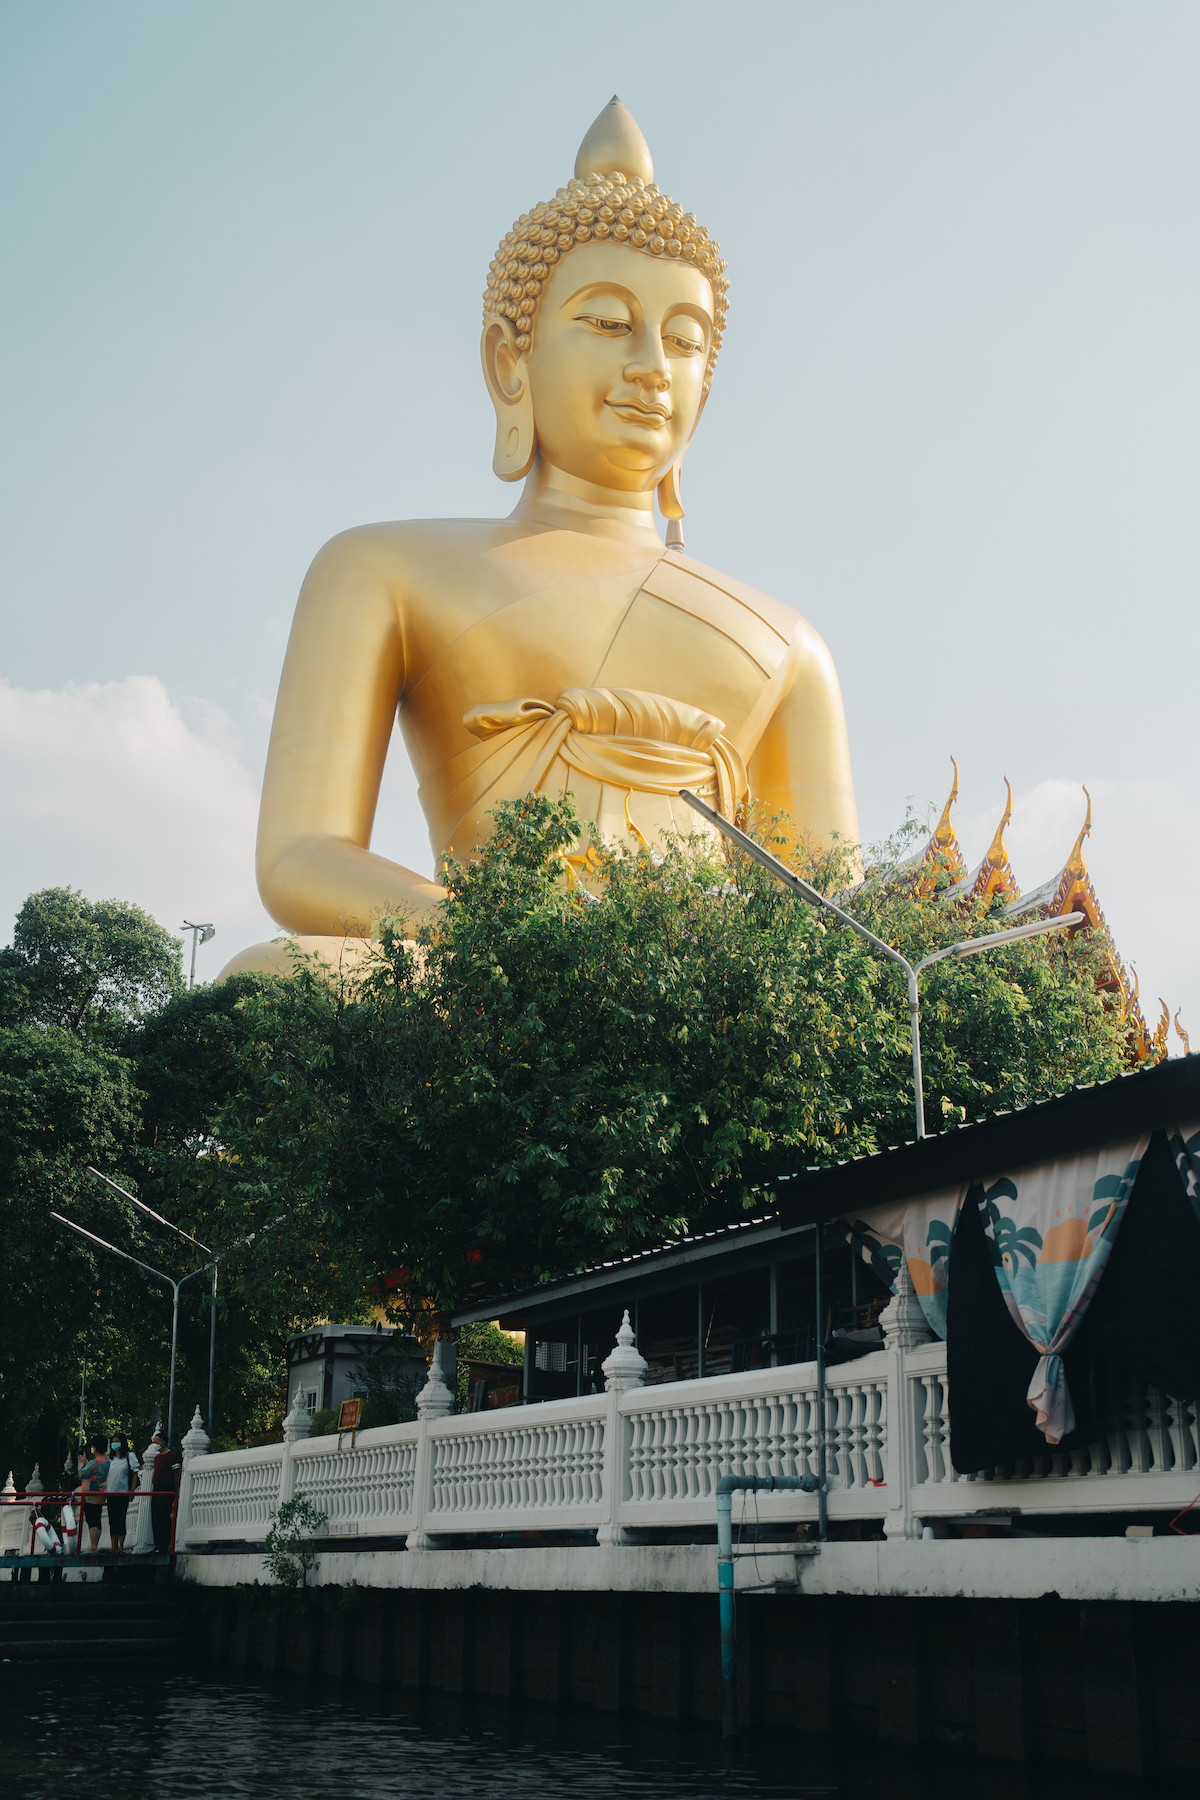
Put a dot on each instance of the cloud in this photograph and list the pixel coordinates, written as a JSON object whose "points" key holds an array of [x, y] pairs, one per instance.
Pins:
{"points": [[118, 790]]}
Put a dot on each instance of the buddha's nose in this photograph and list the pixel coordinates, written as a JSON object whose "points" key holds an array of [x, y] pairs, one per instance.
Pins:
{"points": [[650, 370]]}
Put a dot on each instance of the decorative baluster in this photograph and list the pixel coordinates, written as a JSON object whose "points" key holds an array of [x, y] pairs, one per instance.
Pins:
{"points": [[1116, 1438], [923, 1435], [874, 1399], [855, 1434], [1158, 1430], [1182, 1427], [810, 1432], [1139, 1435]]}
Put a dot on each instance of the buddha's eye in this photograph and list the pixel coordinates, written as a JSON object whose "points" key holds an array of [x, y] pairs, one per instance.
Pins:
{"points": [[680, 345], [605, 326]]}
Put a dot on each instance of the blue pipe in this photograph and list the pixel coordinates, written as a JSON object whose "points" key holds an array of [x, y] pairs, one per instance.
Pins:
{"points": [[726, 1488]]}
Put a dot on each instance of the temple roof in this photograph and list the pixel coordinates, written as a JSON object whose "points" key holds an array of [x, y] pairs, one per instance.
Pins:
{"points": [[1070, 890]]}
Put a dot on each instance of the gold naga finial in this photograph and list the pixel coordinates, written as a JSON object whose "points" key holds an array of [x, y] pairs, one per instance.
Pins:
{"points": [[1181, 1032], [613, 141], [944, 831], [1075, 862], [997, 856], [1159, 1041]]}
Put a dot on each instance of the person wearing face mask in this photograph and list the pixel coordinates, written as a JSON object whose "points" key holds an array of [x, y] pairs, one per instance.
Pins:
{"points": [[120, 1481]]}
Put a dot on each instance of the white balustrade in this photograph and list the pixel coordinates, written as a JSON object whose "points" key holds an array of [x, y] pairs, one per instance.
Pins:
{"points": [[366, 1487], [636, 1457]]}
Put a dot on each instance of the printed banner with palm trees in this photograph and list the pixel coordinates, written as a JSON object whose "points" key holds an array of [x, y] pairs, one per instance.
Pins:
{"points": [[1051, 1228]]}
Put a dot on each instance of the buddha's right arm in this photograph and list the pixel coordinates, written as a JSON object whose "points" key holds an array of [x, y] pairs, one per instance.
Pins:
{"points": [[342, 676]]}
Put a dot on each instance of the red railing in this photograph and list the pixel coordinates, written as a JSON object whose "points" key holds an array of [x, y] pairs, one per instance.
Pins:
{"points": [[74, 1497]]}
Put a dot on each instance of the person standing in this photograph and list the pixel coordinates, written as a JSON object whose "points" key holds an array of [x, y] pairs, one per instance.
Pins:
{"points": [[93, 1487], [164, 1482], [123, 1467]]}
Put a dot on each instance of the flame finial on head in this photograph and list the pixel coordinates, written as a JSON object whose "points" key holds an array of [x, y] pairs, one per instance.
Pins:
{"points": [[613, 142]]}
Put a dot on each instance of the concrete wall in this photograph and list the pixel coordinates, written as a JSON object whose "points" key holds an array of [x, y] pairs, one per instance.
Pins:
{"points": [[1156, 1570], [1100, 1684]]}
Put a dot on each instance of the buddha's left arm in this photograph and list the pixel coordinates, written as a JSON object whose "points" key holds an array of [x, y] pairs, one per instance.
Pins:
{"points": [[801, 764]]}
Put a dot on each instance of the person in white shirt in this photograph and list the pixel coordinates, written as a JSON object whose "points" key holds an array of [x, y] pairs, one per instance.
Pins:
{"points": [[123, 1469]]}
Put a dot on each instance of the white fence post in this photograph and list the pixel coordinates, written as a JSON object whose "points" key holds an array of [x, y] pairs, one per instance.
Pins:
{"points": [[296, 1427], [904, 1329], [141, 1537], [435, 1401], [624, 1368], [195, 1443]]}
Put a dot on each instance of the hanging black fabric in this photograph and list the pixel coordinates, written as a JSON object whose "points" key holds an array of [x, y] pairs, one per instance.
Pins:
{"points": [[1140, 1325], [1149, 1295]]}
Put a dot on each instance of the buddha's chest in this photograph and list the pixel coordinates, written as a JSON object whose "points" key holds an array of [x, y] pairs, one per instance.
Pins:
{"points": [[657, 628]]}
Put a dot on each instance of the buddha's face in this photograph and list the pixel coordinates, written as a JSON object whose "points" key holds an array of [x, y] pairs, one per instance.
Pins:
{"points": [[616, 367]]}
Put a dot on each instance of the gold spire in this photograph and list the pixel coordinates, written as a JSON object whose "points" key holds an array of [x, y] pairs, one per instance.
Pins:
{"points": [[997, 856], [1181, 1031], [614, 142], [1075, 864], [943, 835]]}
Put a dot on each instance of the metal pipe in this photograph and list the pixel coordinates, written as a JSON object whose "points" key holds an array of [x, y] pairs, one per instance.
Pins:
{"points": [[174, 1341], [212, 1350], [726, 1488], [169, 1279], [822, 1501]]}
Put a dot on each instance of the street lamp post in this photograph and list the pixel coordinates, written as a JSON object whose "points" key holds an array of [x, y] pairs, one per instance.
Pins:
{"points": [[171, 1283], [200, 935], [968, 947], [217, 1257]]}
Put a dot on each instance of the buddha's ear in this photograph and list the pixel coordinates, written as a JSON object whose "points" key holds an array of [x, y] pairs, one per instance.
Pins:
{"points": [[670, 502], [507, 377]]}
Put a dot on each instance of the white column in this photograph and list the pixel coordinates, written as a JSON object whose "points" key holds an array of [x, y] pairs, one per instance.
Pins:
{"points": [[624, 1368], [904, 1328], [141, 1534], [435, 1401], [296, 1427], [195, 1444]]}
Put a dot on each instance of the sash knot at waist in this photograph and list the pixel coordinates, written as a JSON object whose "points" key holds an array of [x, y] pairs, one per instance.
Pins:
{"points": [[642, 742]]}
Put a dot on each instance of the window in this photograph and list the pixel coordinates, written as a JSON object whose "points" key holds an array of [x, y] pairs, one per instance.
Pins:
{"points": [[310, 1401]]}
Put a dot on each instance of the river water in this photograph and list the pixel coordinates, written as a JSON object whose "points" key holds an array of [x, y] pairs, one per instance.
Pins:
{"points": [[157, 1734]]}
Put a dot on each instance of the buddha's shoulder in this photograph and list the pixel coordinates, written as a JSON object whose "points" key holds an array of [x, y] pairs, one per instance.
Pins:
{"points": [[684, 581], [397, 545]]}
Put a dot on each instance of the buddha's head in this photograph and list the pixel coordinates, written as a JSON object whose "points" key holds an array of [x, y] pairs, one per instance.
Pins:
{"points": [[602, 320]]}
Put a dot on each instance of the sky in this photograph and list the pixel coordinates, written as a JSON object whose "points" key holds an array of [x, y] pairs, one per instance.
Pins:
{"points": [[954, 421]]}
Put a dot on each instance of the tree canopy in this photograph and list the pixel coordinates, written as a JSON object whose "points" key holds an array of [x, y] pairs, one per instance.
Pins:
{"points": [[546, 1075]]}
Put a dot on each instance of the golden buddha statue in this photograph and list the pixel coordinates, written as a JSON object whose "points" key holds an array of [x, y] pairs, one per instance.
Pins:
{"points": [[564, 647]]}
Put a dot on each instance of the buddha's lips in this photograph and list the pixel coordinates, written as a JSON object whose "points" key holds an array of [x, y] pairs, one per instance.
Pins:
{"points": [[640, 412]]}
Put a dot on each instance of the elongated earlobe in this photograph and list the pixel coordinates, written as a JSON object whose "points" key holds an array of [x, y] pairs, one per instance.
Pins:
{"points": [[507, 377], [516, 439], [671, 506]]}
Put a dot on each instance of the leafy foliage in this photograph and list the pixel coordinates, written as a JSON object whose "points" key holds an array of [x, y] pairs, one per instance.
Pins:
{"points": [[287, 1550], [76, 964], [540, 1080], [546, 1076]]}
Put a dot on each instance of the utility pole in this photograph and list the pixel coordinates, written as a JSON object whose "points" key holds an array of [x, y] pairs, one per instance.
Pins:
{"points": [[200, 935]]}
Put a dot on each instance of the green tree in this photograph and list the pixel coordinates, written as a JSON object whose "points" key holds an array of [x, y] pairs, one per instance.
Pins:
{"points": [[75, 976], [548, 1077], [86, 966]]}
